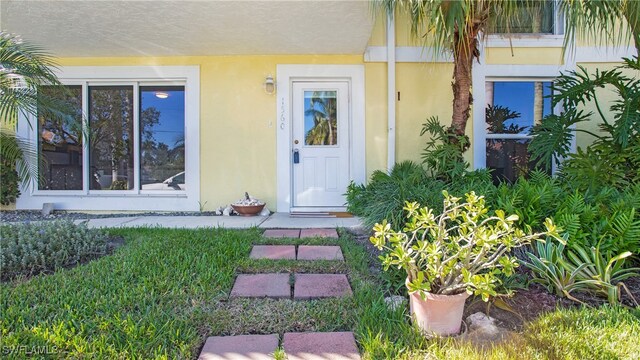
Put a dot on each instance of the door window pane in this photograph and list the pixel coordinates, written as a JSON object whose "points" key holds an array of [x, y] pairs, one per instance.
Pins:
{"points": [[111, 137], [514, 107], [60, 139], [320, 118], [162, 140]]}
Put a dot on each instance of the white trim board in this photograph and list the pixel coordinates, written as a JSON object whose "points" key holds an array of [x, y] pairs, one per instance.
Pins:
{"points": [[418, 54], [187, 200], [286, 74]]}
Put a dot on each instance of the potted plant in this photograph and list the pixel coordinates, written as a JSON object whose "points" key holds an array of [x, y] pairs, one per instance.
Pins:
{"points": [[450, 256], [248, 206]]}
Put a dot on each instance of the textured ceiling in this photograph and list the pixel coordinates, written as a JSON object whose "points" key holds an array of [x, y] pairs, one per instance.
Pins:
{"points": [[166, 28]]}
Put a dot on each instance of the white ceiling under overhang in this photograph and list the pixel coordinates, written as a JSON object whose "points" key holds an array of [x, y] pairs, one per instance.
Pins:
{"points": [[174, 28]]}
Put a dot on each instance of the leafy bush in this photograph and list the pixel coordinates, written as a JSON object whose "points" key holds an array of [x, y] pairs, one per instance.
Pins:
{"points": [[613, 159], [443, 151], [607, 219], [29, 249], [461, 249], [385, 195], [9, 189]]}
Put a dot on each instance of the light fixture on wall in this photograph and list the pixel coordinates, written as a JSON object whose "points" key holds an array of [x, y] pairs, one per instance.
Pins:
{"points": [[269, 85], [161, 95]]}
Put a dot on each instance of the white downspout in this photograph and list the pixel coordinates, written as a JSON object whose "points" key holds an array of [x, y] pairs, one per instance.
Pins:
{"points": [[391, 95]]}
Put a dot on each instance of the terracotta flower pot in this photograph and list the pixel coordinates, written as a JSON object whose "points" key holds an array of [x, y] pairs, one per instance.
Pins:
{"points": [[438, 314]]}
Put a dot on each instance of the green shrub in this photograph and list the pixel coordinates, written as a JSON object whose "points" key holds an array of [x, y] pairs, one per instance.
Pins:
{"points": [[442, 154], [9, 189], [385, 195], [32, 248], [613, 159]]}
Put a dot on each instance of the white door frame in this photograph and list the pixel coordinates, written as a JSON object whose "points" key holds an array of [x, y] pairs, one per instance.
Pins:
{"points": [[286, 75]]}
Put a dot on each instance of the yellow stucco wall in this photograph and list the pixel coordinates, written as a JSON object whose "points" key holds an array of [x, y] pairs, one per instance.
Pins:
{"points": [[424, 92], [524, 56]]}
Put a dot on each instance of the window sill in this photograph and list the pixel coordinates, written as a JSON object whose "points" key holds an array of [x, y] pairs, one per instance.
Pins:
{"points": [[524, 40], [71, 193]]}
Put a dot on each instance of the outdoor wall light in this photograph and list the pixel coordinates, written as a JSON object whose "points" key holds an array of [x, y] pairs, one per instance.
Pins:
{"points": [[161, 95], [269, 85]]}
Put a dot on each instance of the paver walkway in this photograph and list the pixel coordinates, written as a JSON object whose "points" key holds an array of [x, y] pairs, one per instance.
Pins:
{"points": [[262, 285], [300, 233], [254, 347], [297, 346], [316, 286], [273, 252], [316, 345]]}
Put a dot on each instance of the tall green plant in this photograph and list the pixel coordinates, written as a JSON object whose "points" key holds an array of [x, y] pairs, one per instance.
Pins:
{"points": [[443, 157], [24, 68], [614, 157]]}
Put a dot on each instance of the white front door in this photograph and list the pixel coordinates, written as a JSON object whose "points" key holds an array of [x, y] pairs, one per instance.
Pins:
{"points": [[320, 143]]}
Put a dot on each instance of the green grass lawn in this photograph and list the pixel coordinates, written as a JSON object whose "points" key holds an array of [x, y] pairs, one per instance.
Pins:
{"points": [[163, 292]]}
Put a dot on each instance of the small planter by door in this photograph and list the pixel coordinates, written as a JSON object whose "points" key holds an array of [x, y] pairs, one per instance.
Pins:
{"points": [[438, 314]]}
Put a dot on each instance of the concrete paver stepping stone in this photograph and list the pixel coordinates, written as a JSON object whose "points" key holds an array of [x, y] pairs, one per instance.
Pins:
{"points": [[281, 233], [326, 233], [320, 346], [262, 285], [273, 252], [240, 347], [314, 286], [312, 252]]}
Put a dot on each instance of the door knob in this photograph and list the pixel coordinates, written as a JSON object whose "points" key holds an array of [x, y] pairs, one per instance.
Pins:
{"points": [[295, 142]]}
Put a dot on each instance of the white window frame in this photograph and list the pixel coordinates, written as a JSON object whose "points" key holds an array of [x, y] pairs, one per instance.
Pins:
{"points": [[484, 73], [505, 136], [136, 199]]}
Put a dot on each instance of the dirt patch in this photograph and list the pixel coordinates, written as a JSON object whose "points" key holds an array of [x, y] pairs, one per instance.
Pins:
{"points": [[525, 305]]}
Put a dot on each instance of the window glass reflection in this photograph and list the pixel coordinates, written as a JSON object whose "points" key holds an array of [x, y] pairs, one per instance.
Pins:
{"points": [[162, 138], [60, 140], [111, 137]]}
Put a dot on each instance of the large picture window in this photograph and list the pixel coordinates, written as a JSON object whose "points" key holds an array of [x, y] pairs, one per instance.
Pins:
{"points": [[513, 108], [134, 137]]}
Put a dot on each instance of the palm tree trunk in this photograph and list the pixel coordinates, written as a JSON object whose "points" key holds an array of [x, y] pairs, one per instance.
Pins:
{"points": [[463, 56], [537, 103]]}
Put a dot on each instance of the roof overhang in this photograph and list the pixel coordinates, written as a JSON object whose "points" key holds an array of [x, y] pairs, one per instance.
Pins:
{"points": [[179, 28]]}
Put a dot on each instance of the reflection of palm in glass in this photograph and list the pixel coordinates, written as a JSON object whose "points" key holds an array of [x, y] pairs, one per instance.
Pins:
{"points": [[323, 109]]}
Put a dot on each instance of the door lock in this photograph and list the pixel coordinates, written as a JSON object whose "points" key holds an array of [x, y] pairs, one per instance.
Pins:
{"points": [[296, 156]]}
